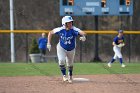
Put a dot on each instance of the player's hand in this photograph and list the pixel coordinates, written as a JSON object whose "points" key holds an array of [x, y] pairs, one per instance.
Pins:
{"points": [[121, 45], [49, 47], [82, 38]]}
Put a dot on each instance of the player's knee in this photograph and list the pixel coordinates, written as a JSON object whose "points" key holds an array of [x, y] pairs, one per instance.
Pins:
{"points": [[61, 62], [115, 58], [119, 56]]}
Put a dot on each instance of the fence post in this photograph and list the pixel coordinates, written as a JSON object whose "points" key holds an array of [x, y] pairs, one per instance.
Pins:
{"points": [[96, 45]]}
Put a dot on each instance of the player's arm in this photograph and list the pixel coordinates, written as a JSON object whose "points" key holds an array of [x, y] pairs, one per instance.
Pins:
{"points": [[49, 40], [123, 42], [83, 37], [50, 36], [113, 43], [54, 31], [120, 45], [82, 33]]}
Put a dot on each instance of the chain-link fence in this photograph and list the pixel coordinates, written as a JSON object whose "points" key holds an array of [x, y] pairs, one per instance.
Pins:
{"points": [[41, 14], [85, 51]]}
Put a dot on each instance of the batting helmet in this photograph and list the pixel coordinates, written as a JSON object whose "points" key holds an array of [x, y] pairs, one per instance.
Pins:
{"points": [[120, 31], [66, 19]]}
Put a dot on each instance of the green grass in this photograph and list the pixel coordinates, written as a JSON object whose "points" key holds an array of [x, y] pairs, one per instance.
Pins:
{"points": [[50, 69]]}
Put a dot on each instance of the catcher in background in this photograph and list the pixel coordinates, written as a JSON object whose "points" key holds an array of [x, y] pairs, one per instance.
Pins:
{"points": [[66, 46], [118, 43]]}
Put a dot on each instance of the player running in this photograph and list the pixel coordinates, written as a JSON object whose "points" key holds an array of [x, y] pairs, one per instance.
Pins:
{"points": [[118, 43], [66, 46]]}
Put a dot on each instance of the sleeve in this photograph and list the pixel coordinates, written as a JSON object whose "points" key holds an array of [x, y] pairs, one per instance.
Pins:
{"points": [[115, 40], [76, 31], [57, 30]]}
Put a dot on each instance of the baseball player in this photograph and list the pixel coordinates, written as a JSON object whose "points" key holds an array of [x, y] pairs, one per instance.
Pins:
{"points": [[42, 42], [118, 43], [66, 46]]}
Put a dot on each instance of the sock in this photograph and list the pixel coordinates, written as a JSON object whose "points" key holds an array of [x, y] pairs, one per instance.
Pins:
{"points": [[112, 60], [70, 70], [63, 69], [121, 60]]}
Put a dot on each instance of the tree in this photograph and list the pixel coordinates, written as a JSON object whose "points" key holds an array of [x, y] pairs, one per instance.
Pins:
{"points": [[34, 47]]}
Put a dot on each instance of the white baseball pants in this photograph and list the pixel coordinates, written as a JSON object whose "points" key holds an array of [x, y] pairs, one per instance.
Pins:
{"points": [[117, 51], [64, 56]]}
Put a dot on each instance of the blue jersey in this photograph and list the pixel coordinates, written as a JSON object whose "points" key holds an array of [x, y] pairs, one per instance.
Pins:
{"points": [[118, 40], [42, 43], [67, 37]]}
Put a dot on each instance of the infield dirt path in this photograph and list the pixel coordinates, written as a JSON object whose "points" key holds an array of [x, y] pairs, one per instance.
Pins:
{"points": [[116, 83]]}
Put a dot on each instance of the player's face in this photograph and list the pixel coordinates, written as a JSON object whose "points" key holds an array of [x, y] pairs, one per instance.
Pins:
{"points": [[68, 25], [43, 35], [120, 34]]}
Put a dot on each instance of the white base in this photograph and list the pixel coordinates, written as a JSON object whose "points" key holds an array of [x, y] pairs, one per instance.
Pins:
{"points": [[81, 79]]}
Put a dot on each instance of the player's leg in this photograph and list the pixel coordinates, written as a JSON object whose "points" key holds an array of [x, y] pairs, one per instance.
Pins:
{"points": [[115, 55], [61, 60], [63, 71], [69, 61], [41, 52], [113, 59], [70, 74], [119, 54], [43, 55]]}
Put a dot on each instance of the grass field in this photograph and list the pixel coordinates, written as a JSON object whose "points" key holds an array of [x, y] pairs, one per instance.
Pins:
{"points": [[51, 69]]}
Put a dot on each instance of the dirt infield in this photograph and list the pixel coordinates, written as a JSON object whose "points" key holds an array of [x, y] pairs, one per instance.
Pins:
{"points": [[116, 83]]}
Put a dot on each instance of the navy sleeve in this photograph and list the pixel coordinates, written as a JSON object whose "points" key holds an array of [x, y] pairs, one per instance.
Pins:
{"points": [[116, 40]]}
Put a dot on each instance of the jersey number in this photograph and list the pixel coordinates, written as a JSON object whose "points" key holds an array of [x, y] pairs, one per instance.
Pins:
{"points": [[67, 42]]}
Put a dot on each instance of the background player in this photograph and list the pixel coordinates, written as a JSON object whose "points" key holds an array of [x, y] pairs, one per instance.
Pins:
{"points": [[66, 46], [118, 43], [42, 42]]}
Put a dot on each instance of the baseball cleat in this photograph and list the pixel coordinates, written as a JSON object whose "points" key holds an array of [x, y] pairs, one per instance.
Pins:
{"points": [[123, 65], [70, 80], [109, 64], [65, 78]]}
